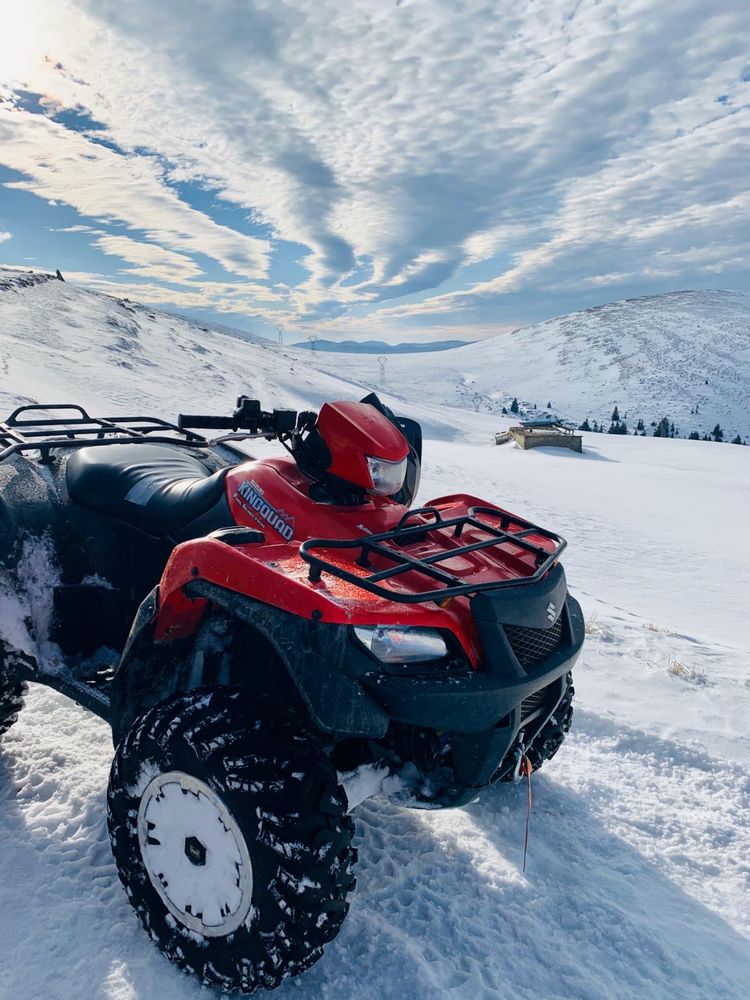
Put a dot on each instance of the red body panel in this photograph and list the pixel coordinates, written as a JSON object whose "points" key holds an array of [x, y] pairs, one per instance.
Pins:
{"points": [[277, 483], [273, 495], [352, 431]]}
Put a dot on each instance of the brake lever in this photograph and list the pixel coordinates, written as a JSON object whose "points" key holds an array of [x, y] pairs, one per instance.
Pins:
{"points": [[239, 436]]}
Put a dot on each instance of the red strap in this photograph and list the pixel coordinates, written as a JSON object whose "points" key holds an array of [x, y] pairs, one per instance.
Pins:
{"points": [[526, 770]]}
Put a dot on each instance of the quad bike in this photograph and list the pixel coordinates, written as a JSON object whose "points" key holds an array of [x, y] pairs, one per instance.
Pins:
{"points": [[258, 631]]}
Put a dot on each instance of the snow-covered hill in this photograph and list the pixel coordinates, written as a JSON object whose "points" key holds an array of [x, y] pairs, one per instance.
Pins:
{"points": [[637, 884], [664, 355], [59, 341]]}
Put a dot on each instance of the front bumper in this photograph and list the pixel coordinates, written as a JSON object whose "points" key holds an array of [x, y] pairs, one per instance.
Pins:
{"points": [[475, 701], [485, 714]]}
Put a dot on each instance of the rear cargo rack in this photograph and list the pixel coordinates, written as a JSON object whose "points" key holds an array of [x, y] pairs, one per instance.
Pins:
{"points": [[44, 433], [388, 545]]}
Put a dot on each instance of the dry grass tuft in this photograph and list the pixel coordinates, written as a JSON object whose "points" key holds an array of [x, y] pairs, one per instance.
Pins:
{"points": [[685, 672], [660, 629], [596, 629]]}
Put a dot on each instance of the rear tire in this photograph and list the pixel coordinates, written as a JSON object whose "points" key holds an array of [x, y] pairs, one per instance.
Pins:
{"points": [[12, 693], [230, 835]]}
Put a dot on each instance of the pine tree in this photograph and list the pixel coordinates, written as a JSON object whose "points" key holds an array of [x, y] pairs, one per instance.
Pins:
{"points": [[615, 416], [639, 426], [514, 406], [662, 428], [549, 406], [694, 436], [717, 433], [505, 410], [737, 440], [585, 426]]}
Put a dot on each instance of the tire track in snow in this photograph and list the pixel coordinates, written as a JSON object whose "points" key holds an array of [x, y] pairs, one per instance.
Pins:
{"points": [[620, 897]]}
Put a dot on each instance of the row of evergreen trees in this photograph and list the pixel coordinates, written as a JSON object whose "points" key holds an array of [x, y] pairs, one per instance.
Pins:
{"points": [[661, 428], [515, 408]]}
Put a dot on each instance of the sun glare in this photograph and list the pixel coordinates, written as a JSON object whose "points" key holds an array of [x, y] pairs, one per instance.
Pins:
{"points": [[21, 43]]}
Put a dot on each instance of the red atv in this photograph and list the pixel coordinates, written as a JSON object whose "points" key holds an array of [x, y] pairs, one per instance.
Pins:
{"points": [[257, 632]]}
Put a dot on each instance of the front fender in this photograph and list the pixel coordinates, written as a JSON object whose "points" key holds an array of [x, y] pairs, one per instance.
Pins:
{"points": [[313, 653], [148, 671]]}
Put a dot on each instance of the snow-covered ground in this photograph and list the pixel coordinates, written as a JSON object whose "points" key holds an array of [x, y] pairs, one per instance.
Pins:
{"points": [[638, 879]]}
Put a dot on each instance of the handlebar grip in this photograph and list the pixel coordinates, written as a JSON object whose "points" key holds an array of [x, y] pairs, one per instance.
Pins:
{"points": [[205, 421]]}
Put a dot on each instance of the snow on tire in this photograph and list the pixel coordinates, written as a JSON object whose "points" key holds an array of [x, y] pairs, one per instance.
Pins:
{"points": [[550, 737], [231, 837], [12, 694]]}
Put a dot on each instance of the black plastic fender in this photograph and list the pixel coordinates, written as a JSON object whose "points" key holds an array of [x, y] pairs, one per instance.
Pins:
{"points": [[148, 672], [317, 656]]}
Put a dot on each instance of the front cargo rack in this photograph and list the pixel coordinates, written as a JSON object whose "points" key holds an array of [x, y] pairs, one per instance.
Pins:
{"points": [[43, 433], [389, 546]]}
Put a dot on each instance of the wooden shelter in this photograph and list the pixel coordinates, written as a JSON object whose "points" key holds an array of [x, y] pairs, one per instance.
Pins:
{"points": [[542, 435]]}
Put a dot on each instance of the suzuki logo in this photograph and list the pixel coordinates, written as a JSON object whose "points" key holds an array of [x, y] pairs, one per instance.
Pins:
{"points": [[551, 611]]}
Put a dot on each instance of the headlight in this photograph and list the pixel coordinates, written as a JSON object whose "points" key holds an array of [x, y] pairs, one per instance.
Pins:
{"points": [[401, 644], [387, 477]]}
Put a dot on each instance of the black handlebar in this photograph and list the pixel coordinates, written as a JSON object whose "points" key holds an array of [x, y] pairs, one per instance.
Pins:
{"points": [[248, 416], [201, 420]]}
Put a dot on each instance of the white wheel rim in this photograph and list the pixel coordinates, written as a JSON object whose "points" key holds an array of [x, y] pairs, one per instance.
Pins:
{"points": [[195, 854]]}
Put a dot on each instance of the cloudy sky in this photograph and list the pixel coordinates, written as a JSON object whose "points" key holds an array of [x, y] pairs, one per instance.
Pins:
{"points": [[377, 168]]}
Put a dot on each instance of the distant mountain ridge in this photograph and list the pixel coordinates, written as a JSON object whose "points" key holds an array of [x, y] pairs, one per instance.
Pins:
{"points": [[380, 346]]}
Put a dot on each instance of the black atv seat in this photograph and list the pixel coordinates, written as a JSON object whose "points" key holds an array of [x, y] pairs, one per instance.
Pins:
{"points": [[153, 487]]}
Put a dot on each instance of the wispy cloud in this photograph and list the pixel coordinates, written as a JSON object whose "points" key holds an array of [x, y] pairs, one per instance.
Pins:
{"points": [[148, 260], [5, 236], [63, 165], [244, 298], [429, 160]]}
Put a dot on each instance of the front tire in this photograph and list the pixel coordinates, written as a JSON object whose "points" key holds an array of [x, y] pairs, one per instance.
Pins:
{"points": [[230, 835], [551, 737]]}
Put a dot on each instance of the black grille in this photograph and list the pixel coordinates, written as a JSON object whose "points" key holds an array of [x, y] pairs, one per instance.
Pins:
{"points": [[533, 702], [532, 645]]}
